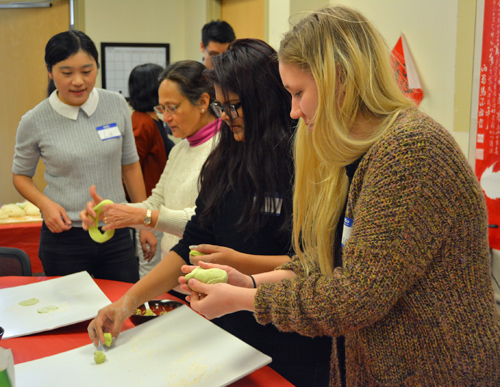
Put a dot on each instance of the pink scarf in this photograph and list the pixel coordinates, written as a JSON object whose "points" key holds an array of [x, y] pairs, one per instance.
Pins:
{"points": [[205, 133]]}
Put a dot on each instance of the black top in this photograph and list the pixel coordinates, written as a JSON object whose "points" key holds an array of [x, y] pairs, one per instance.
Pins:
{"points": [[350, 170], [282, 347]]}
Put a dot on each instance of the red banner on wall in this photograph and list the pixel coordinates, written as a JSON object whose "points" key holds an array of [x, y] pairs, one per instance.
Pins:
{"points": [[406, 71], [487, 165]]}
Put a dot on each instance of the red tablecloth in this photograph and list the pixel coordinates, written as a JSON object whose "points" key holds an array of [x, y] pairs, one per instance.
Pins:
{"points": [[49, 343], [24, 236]]}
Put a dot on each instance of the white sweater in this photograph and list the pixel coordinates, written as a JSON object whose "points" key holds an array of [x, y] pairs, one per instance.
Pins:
{"points": [[176, 192]]}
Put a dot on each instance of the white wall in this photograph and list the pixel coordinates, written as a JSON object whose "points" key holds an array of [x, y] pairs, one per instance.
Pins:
{"points": [[430, 29], [178, 23]]}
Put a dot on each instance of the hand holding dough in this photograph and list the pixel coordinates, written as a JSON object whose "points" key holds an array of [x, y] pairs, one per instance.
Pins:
{"points": [[208, 276], [94, 232]]}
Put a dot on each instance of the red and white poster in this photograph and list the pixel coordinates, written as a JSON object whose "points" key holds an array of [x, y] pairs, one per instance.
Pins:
{"points": [[406, 71], [487, 157]]}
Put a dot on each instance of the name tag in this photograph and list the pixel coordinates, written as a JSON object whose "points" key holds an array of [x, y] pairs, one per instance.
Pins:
{"points": [[107, 132], [346, 232]]}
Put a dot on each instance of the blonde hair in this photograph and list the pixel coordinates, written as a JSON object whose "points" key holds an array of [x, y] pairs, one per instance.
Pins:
{"points": [[343, 52]]}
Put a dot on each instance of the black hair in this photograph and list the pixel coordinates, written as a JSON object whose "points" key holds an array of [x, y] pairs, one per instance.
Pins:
{"points": [[61, 46], [262, 165], [217, 31], [143, 87], [190, 78]]}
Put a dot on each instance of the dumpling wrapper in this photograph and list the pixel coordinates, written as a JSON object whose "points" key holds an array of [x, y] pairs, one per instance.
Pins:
{"points": [[47, 309], [31, 301], [13, 210], [31, 210]]}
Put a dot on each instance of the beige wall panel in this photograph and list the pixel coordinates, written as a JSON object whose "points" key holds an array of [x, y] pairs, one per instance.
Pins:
{"points": [[247, 17], [23, 36]]}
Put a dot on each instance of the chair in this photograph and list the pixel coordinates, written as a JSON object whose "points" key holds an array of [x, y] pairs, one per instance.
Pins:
{"points": [[14, 262]]}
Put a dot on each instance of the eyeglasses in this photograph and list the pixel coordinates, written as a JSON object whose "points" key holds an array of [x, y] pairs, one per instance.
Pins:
{"points": [[170, 108], [231, 110]]}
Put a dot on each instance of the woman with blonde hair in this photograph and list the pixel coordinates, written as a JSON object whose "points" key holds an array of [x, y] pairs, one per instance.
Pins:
{"points": [[390, 225]]}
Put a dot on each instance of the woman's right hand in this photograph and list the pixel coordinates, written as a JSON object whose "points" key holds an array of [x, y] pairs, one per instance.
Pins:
{"points": [[55, 216], [110, 319]]}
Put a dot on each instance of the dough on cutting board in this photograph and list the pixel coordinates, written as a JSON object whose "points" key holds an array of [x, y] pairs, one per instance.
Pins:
{"points": [[3, 214], [47, 309], [99, 357], [31, 301], [13, 210]]}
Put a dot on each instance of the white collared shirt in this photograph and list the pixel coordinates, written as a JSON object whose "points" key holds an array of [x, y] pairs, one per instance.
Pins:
{"points": [[70, 111]]}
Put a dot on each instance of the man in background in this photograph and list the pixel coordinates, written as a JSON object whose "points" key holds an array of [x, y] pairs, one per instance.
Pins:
{"points": [[215, 38]]}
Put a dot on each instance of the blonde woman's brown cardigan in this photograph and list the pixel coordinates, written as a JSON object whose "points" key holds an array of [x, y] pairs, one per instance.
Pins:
{"points": [[414, 297]]}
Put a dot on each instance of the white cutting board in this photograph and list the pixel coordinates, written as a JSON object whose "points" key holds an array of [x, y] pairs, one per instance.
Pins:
{"points": [[178, 349], [77, 297]]}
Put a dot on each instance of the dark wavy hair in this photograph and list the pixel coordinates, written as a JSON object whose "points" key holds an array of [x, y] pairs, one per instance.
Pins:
{"points": [[143, 87], [190, 77], [61, 46], [262, 165]]}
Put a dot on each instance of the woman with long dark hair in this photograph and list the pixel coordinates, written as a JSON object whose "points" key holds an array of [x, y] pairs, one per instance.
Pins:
{"points": [[83, 136], [244, 205]]}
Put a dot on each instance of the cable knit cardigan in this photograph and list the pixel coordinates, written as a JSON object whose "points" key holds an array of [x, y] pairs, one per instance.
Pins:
{"points": [[414, 297]]}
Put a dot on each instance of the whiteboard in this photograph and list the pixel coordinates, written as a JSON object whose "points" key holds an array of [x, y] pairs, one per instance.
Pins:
{"points": [[119, 59]]}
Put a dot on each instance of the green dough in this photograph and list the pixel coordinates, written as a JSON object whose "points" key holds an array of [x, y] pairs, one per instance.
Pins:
{"points": [[31, 301], [208, 276], [108, 339], [99, 357], [196, 253], [94, 232], [47, 309]]}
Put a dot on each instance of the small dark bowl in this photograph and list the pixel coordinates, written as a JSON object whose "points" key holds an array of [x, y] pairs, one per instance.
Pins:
{"points": [[157, 306], [1, 332]]}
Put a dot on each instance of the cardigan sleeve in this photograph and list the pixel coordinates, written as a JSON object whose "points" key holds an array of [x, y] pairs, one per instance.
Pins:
{"points": [[401, 203]]}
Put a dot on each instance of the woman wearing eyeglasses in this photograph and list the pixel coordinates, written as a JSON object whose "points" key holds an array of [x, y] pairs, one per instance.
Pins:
{"points": [[245, 205], [185, 95]]}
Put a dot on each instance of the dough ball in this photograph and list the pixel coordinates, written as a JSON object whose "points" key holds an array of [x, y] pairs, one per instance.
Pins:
{"points": [[31, 209], [195, 253], [31, 301], [13, 210], [108, 339], [3, 214], [99, 357], [208, 276]]}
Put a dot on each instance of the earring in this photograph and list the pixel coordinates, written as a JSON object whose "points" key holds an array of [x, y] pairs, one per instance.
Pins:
{"points": [[203, 110]]}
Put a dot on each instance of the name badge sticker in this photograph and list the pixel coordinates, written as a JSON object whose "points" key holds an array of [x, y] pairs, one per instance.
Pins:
{"points": [[107, 132], [346, 231]]}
